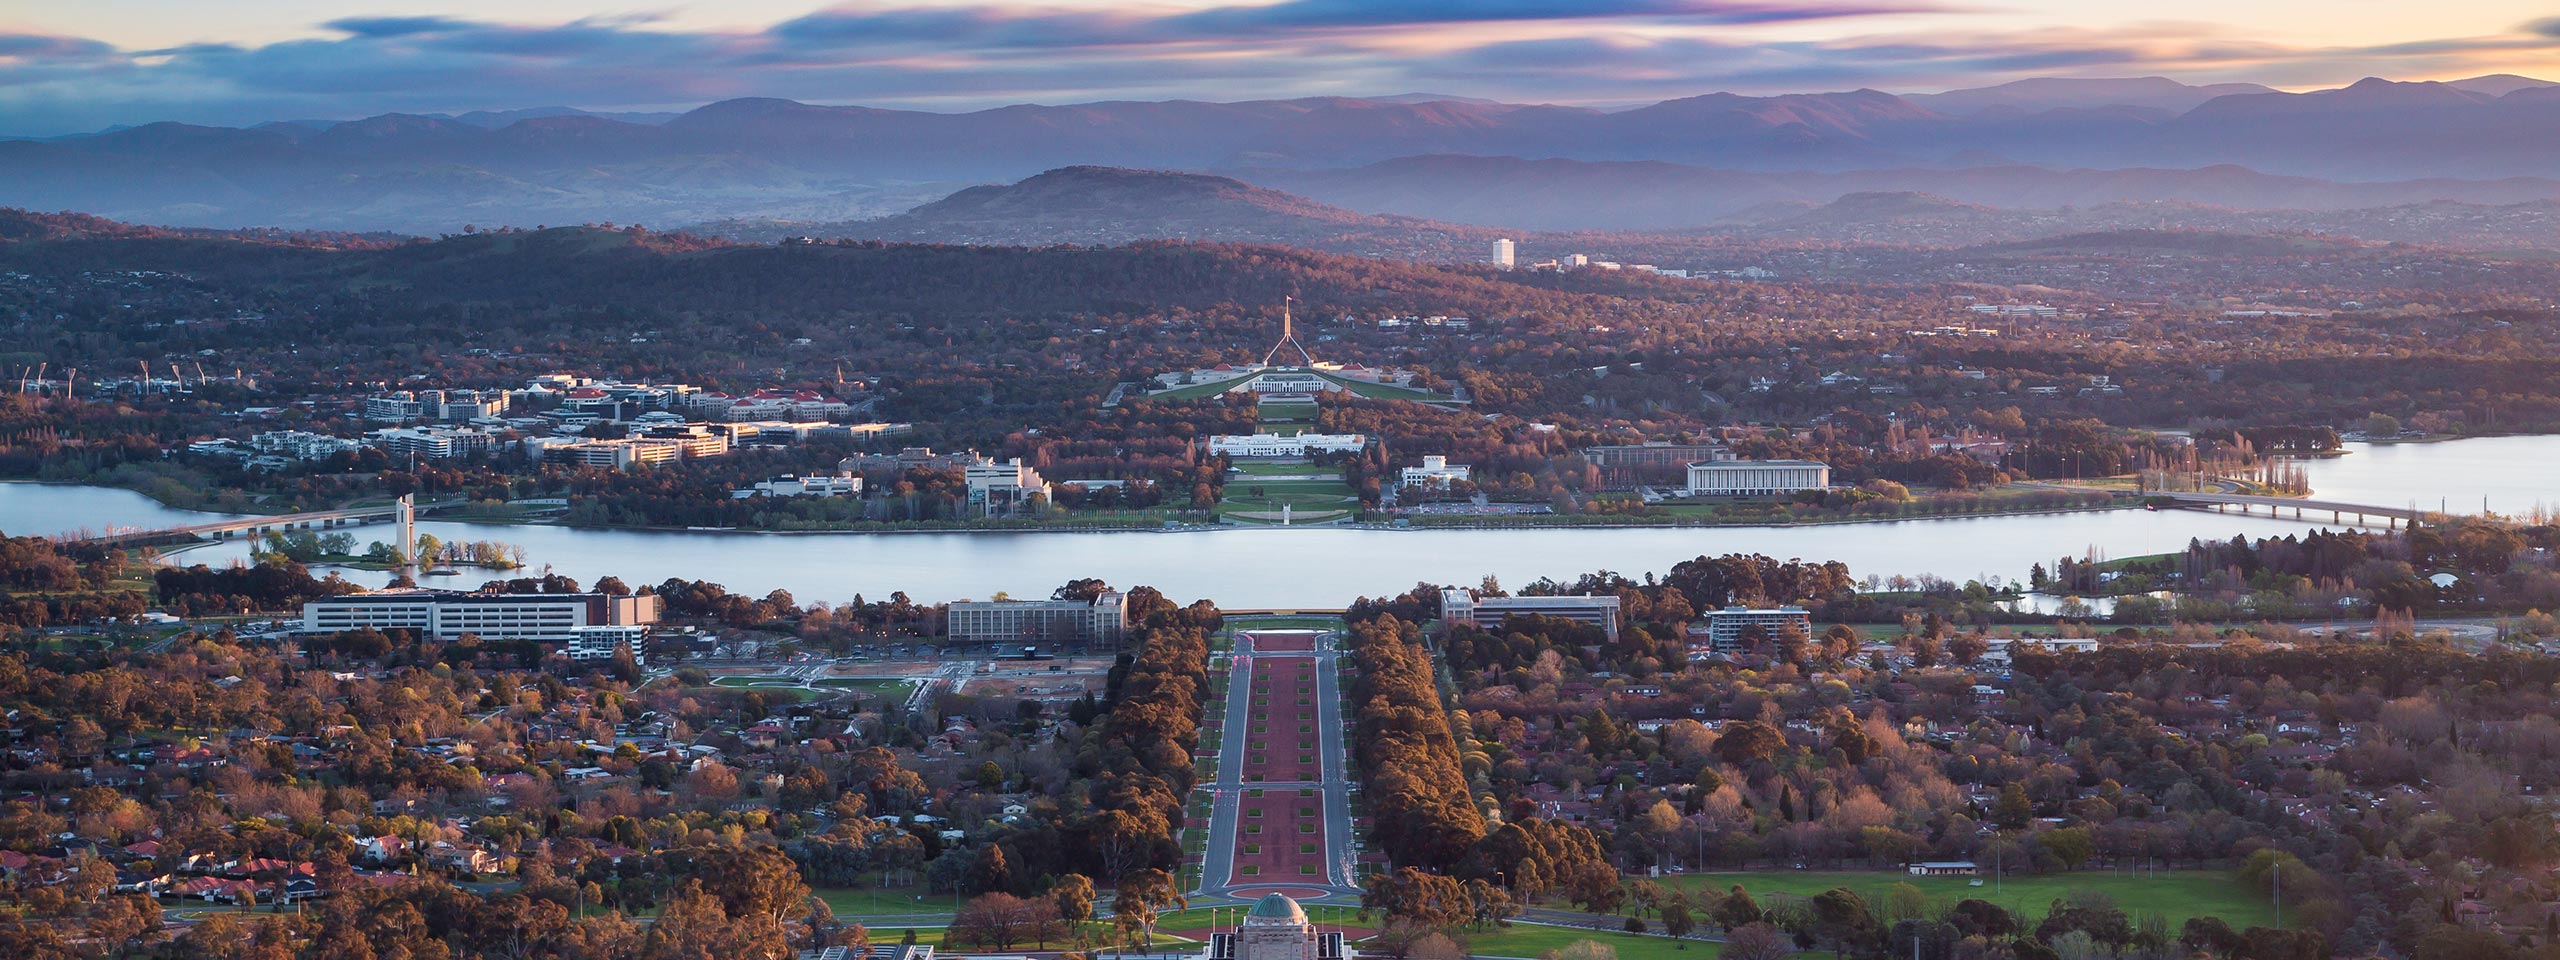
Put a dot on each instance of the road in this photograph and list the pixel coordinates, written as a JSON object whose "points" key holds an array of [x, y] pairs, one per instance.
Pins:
{"points": [[1227, 791]]}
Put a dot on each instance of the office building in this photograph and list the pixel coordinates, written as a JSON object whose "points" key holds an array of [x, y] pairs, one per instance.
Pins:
{"points": [[399, 406], [1436, 472], [446, 614], [1461, 606], [1502, 253], [433, 443], [608, 454], [1729, 628], [1001, 487], [1756, 478], [692, 441], [1656, 462], [1102, 620]]}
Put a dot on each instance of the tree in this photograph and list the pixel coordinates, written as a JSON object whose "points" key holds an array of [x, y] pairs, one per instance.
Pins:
{"points": [[1841, 920], [991, 872], [2071, 845], [1426, 899], [759, 881], [1676, 920], [1582, 950], [1758, 941], [1074, 894], [1983, 918], [1434, 945], [2013, 809], [1749, 741], [999, 920], [1738, 909], [1905, 902], [2212, 936], [1141, 894]]}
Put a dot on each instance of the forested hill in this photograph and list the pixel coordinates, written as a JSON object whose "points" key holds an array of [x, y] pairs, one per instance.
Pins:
{"points": [[18, 225], [632, 270], [1109, 205]]}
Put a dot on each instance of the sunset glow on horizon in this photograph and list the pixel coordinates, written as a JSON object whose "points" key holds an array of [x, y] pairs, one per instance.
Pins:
{"points": [[66, 68]]}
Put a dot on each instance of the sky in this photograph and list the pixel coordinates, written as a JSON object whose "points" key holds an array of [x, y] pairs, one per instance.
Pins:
{"points": [[79, 65]]}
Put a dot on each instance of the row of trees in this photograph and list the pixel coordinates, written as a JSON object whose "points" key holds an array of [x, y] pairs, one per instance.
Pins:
{"points": [[1420, 810]]}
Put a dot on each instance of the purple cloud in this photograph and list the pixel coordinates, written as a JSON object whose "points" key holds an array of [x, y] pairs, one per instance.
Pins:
{"points": [[950, 57]]}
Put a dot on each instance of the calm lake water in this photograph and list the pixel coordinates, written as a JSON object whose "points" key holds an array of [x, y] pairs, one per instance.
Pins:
{"points": [[2513, 474], [1325, 567]]}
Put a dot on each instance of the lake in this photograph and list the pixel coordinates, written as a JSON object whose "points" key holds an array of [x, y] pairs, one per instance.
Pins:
{"points": [[1249, 568]]}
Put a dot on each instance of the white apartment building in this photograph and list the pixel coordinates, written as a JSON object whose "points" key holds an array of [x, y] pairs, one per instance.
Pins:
{"points": [[1502, 253], [1436, 472], [1726, 627], [446, 614], [602, 641], [1753, 478], [299, 445], [434, 443], [1275, 445]]}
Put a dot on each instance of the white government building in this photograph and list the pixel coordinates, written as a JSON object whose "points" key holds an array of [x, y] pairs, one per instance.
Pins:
{"points": [[1436, 472], [1275, 445], [1755, 478]]}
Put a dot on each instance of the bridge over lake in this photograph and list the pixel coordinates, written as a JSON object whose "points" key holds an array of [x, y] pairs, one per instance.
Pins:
{"points": [[2338, 512], [402, 511]]}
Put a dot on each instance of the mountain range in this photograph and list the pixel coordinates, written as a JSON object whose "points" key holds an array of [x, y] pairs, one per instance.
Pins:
{"points": [[2485, 140], [1105, 206]]}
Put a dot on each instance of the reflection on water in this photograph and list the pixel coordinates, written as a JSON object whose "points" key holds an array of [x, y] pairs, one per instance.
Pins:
{"points": [[1326, 567]]}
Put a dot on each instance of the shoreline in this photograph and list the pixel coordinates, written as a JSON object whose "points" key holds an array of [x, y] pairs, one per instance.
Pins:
{"points": [[2120, 503]]}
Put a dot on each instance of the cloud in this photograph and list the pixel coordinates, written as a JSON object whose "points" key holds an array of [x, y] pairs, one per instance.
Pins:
{"points": [[1369, 13], [40, 47], [995, 52]]}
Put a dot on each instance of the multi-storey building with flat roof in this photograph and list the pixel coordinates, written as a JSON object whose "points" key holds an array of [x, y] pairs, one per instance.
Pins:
{"points": [[1459, 605], [602, 641], [1655, 462], [1002, 486], [1756, 478], [1727, 628], [445, 614], [1102, 620]]}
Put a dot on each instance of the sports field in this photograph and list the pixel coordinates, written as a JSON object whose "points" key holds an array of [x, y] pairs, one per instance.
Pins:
{"points": [[2173, 895]]}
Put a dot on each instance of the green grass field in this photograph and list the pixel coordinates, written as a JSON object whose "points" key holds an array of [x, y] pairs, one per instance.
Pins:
{"points": [[2175, 896], [1380, 391], [886, 687], [876, 902], [766, 684], [1529, 940], [1198, 390]]}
